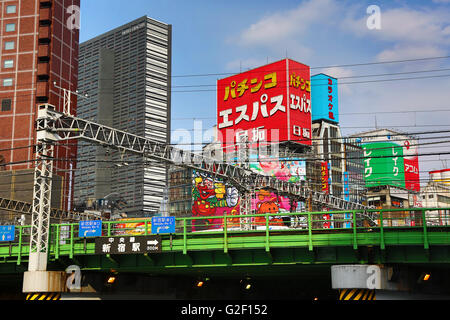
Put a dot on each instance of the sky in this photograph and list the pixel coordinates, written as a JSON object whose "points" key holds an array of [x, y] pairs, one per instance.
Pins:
{"points": [[213, 39]]}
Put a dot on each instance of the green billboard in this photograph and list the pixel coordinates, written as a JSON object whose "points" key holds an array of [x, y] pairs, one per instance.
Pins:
{"points": [[383, 164]]}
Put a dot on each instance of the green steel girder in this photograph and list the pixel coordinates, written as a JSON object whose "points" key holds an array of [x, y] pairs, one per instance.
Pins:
{"points": [[249, 251], [185, 251]]}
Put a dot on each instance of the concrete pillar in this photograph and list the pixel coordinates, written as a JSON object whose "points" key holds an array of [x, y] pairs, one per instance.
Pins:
{"points": [[360, 281], [44, 281]]}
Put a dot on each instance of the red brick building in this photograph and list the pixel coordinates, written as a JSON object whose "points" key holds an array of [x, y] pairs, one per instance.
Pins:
{"points": [[39, 46]]}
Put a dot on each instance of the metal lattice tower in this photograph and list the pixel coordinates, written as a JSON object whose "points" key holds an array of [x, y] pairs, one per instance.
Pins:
{"points": [[41, 206]]}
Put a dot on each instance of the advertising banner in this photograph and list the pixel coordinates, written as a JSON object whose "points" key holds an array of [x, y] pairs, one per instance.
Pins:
{"points": [[391, 159], [268, 202], [383, 164], [132, 226], [324, 98], [347, 198], [271, 103], [291, 170], [411, 162], [324, 177], [210, 198]]}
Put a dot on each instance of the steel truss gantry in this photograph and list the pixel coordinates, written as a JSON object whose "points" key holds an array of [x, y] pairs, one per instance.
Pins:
{"points": [[65, 127], [24, 207], [53, 126]]}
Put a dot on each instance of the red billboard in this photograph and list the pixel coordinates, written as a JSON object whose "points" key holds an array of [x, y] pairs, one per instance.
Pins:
{"points": [[411, 163], [324, 177], [271, 103]]}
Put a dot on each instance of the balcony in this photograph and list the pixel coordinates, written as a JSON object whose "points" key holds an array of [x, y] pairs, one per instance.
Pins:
{"points": [[45, 13], [43, 68], [44, 50], [42, 89], [44, 32]]}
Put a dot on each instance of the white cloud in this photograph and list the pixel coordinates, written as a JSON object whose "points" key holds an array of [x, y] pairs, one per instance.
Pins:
{"points": [[284, 25], [340, 74], [410, 51], [405, 25]]}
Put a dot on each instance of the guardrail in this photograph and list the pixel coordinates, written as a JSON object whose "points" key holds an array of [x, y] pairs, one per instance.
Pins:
{"points": [[65, 239]]}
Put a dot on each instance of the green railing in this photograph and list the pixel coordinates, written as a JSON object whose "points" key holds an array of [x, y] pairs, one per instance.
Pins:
{"points": [[333, 228]]}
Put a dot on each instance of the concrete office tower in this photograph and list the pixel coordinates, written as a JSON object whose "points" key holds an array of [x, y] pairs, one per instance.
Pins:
{"points": [[39, 46], [126, 73]]}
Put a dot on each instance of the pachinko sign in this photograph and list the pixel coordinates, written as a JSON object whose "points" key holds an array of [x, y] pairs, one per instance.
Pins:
{"points": [[324, 177], [271, 103]]}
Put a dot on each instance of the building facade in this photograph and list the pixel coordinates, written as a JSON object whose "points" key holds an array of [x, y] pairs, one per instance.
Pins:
{"points": [[126, 75], [436, 194], [328, 146], [391, 173], [180, 191], [38, 49]]}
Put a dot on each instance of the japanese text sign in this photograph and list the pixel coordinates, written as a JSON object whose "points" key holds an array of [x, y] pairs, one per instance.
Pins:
{"points": [[163, 225], [324, 98], [383, 164], [271, 103], [324, 177], [90, 228], [7, 233], [127, 244]]}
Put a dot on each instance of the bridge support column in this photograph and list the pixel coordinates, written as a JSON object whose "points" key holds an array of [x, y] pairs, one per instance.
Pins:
{"points": [[44, 281], [360, 281]]}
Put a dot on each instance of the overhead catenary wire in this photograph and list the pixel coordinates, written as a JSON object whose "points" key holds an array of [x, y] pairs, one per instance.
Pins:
{"points": [[407, 135], [345, 77], [306, 156]]}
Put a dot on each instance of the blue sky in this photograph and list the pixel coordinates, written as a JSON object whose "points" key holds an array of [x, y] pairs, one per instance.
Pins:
{"points": [[219, 37]]}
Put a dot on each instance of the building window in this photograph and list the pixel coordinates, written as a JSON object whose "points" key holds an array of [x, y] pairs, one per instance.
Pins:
{"points": [[10, 27], [9, 45], [7, 82], [8, 63], [6, 105], [10, 9]]}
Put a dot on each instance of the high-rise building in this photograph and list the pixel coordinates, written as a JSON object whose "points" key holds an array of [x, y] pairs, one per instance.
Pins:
{"points": [[126, 74], [38, 49]]}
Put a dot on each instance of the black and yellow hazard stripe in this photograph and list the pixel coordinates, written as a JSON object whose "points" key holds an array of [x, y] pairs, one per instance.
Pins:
{"points": [[356, 294], [44, 296]]}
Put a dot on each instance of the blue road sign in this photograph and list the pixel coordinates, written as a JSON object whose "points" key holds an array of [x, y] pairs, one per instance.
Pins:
{"points": [[7, 233], [163, 225], [90, 228]]}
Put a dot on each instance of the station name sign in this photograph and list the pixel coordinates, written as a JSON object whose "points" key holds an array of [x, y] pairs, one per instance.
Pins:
{"points": [[128, 245]]}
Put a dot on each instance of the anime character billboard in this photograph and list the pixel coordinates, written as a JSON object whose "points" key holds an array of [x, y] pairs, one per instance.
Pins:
{"points": [[211, 198], [291, 170], [268, 202]]}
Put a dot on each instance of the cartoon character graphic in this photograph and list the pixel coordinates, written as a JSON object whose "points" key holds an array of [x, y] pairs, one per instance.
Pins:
{"points": [[212, 198], [268, 202], [283, 169]]}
